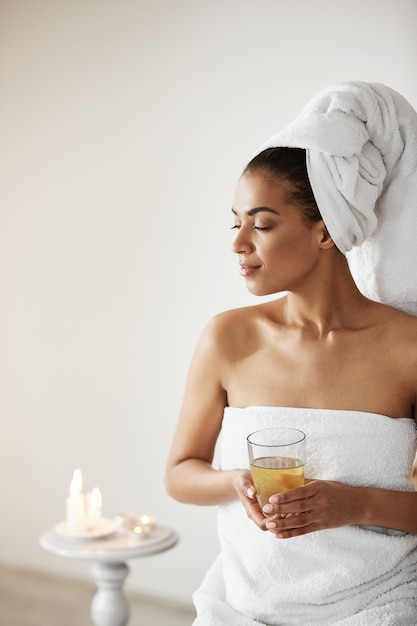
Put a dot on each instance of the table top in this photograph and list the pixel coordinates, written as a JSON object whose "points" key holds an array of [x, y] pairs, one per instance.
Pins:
{"points": [[117, 547]]}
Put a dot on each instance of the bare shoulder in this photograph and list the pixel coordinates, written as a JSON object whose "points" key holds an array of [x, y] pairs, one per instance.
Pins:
{"points": [[400, 321], [239, 330], [400, 331], [240, 320]]}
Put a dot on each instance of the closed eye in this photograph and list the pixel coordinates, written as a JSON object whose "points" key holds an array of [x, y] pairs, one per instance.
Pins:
{"points": [[237, 226]]}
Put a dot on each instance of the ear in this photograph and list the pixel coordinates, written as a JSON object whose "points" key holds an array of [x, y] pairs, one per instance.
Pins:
{"points": [[326, 242]]}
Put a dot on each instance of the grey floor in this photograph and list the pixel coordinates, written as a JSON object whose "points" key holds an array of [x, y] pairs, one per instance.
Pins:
{"points": [[37, 599]]}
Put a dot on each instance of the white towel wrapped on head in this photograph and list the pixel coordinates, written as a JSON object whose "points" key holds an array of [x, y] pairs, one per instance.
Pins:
{"points": [[361, 143]]}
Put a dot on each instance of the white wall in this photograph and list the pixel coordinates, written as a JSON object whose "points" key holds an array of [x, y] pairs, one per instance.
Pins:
{"points": [[124, 125]]}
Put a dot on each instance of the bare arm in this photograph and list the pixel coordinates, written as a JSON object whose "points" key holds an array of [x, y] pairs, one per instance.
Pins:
{"points": [[324, 504], [390, 509], [190, 476]]}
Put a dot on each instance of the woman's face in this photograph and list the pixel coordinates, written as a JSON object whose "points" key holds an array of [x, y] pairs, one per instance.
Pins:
{"points": [[277, 249]]}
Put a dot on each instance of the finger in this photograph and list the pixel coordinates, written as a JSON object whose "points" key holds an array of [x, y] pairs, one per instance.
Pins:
{"points": [[297, 532], [284, 509], [253, 511], [291, 520], [299, 507], [291, 526], [293, 495], [256, 516], [250, 492], [247, 488]]}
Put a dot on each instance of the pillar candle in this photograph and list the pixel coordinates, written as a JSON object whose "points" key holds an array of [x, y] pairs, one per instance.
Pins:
{"points": [[94, 504], [76, 514]]}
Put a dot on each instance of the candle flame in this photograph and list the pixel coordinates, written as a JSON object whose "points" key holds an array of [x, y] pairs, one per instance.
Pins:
{"points": [[76, 483]]}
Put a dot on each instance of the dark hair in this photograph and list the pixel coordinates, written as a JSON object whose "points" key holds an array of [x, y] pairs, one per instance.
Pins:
{"points": [[288, 164]]}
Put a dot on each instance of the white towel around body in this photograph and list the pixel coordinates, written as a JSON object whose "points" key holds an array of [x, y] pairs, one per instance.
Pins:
{"points": [[352, 576]]}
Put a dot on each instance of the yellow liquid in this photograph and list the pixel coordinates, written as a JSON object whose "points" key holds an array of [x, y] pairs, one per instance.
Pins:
{"points": [[272, 475]]}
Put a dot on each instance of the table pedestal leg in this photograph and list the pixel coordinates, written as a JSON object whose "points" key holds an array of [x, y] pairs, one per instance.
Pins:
{"points": [[109, 606]]}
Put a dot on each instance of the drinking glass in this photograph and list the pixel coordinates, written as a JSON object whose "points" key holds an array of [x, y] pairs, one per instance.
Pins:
{"points": [[277, 459]]}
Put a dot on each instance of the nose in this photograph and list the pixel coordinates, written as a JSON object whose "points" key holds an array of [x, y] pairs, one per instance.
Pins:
{"points": [[242, 243]]}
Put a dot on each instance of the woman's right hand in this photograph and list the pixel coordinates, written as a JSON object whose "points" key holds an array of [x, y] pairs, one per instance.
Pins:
{"points": [[246, 492]]}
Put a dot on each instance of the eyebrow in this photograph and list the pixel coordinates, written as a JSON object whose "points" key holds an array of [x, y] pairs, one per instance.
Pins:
{"points": [[258, 209]]}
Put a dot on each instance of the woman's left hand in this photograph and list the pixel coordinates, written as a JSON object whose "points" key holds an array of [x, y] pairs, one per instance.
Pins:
{"points": [[318, 505]]}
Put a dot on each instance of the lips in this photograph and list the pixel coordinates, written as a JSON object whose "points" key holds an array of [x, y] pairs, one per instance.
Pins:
{"points": [[247, 270]]}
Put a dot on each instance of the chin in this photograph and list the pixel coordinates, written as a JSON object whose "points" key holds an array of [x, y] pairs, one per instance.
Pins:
{"points": [[257, 291]]}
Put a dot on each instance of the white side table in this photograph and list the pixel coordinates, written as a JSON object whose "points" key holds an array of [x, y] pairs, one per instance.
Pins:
{"points": [[109, 570]]}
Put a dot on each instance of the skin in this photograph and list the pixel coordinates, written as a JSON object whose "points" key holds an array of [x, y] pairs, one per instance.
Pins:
{"points": [[323, 345]]}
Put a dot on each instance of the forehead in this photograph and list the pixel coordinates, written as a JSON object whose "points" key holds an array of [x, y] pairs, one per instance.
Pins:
{"points": [[255, 190]]}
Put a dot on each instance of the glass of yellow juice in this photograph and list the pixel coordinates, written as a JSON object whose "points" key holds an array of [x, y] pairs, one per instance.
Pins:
{"points": [[277, 459]]}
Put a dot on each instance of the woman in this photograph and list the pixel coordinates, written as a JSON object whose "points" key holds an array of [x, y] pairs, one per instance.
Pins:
{"points": [[324, 358]]}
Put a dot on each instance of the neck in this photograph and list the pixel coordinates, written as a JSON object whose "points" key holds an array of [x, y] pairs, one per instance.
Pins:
{"points": [[330, 302]]}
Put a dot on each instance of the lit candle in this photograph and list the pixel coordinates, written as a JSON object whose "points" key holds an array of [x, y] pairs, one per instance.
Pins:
{"points": [[147, 523], [76, 503], [138, 533], [94, 504]]}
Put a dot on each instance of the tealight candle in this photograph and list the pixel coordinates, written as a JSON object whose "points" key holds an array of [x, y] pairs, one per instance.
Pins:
{"points": [[138, 532], [75, 509], [148, 523]]}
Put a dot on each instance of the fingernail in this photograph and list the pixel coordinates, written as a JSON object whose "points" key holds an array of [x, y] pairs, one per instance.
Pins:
{"points": [[250, 492], [268, 508], [270, 525], [274, 499]]}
